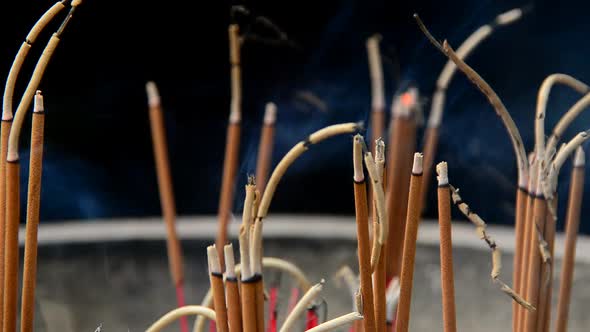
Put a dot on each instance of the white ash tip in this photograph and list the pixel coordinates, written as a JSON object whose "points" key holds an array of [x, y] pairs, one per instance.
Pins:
{"points": [[152, 93], [270, 113], [580, 157], [442, 173], [228, 253], [213, 260], [357, 158], [418, 161], [380, 149], [38, 103]]}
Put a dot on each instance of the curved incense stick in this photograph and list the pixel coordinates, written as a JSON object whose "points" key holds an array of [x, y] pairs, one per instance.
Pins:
{"points": [[33, 206], [294, 153], [350, 280], [572, 225], [13, 140], [337, 322], [430, 140], [496, 254], [362, 224], [301, 306], [409, 253], [565, 121], [175, 314], [266, 145], [550, 184], [495, 101]]}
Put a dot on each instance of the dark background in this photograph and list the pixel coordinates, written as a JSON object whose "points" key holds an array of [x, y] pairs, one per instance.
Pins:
{"points": [[98, 157]]}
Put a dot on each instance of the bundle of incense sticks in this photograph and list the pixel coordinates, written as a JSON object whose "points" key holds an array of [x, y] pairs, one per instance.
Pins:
{"points": [[536, 210]]}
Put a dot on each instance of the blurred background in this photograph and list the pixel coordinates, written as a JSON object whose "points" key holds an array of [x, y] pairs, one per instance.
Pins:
{"points": [[98, 158]]}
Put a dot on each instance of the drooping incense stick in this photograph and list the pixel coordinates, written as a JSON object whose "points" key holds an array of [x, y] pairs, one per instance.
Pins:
{"points": [[12, 180], [399, 165], [232, 141], [446, 253], [33, 206], [266, 144], [167, 203], [234, 309], [216, 279], [301, 306], [431, 133], [571, 231], [362, 229], [177, 313], [409, 252]]}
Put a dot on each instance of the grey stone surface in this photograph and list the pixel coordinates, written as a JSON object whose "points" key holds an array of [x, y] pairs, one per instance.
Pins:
{"points": [[126, 286]]}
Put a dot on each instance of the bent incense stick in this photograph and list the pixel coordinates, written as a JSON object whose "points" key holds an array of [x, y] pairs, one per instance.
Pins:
{"points": [[193, 310], [431, 133], [232, 141], [266, 144], [158, 130], [571, 231], [446, 253], [301, 306], [409, 252], [12, 179], [216, 279], [362, 229], [33, 206]]}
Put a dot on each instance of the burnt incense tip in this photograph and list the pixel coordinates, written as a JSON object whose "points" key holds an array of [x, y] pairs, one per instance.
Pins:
{"points": [[357, 158], [38, 106], [153, 94], [213, 259], [270, 113], [380, 149], [251, 180], [228, 253], [442, 173], [580, 158], [360, 126], [417, 166]]}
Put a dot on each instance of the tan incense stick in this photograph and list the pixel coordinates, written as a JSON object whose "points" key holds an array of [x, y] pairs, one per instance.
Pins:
{"points": [[572, 225], [377, 88], [6, 124], [409, 253], [546, 276], [362, 229], [167, 203], [264, 160], [192, 310], [216, 279], [301, 306], [33, 205], [234, 309], [446, 252], [232, 141]]}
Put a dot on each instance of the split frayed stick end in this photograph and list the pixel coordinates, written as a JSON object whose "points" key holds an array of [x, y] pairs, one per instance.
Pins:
{"points": [[442, 173], [270, 113], [213, 260], [417, 167], [38, 104], [379, 150], [153, 94], [228, 252], [580, 158], [357, 158]]}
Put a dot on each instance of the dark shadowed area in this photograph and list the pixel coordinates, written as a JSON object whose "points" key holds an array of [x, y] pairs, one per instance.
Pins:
{"points": [[98, 157]]}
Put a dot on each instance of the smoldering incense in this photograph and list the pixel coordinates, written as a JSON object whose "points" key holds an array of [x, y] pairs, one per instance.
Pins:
{"points": [[33, 206]]}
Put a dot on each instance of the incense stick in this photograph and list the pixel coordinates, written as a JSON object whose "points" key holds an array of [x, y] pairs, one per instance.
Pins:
{"points": [[446, 253], [375, 170], [337, 322], [431, 133], [232, 141], [377, 88], [301, 306], [546, 246], [173, 315], [572, 225], [216, 279], [266, 144], [409, 252], [166, 191], [233, 296], [33, 206], [362, 230]]}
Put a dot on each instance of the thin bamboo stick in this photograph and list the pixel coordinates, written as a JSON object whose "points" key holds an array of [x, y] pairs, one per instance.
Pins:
{"points": [[216, 279], [301, 306], [409, 253], [265, 148], [234, 309], [446, 252], [519, 225], [5, 130], [572, 225], [11, 244], [33, 206], [546, 277], [379, 278], [362, 229], [232, 141]]}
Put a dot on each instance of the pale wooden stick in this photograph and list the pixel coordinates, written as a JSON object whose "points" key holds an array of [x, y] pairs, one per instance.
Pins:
{"points": [[173, 315], [572, 225], [33, 206], [380, 230], [362, 229], [337, 322], [301, 306], [409, 253]]}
